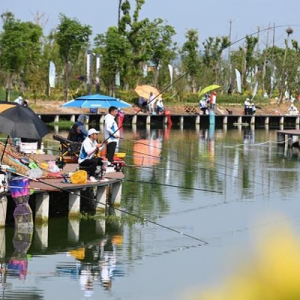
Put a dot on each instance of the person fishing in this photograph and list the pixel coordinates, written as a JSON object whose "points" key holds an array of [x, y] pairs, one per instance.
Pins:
{"points": [[78, 132], [89, 149], [111, 133]]}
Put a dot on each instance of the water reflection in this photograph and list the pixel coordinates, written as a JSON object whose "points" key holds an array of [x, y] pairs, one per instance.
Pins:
{"points": [[100, 258], [18, 263], [147, 149]]}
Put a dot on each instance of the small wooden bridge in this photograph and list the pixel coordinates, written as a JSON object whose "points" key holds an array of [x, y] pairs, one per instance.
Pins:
{"points": [[189, 120]]}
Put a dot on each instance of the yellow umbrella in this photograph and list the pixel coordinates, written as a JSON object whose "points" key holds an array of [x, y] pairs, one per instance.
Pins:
{"points": [[208, 89], [145, 90]]}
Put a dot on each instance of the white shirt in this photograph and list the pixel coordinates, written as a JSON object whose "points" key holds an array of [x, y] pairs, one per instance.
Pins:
{"points": [[88, 149], [160, 103], [19, 100], [110, 128]]}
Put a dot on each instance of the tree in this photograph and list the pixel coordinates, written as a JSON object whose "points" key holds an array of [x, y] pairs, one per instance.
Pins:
{"points": [[190, 56], [163, 48], [213, 49], [113, 48], [20, 48], [72, 37]]}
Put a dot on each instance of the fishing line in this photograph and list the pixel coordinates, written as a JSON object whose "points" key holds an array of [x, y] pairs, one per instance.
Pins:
{"points": [[140, 110], [191, 169], [161, 158], [197, 168], [171, 185], [165, 184], [157, 168], [108, 205]]}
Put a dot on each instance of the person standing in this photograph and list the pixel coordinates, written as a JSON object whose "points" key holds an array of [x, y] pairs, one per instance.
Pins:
{"points": [[111, 133], [246, 106], [150, 103], [213, 100], [203, 106]]}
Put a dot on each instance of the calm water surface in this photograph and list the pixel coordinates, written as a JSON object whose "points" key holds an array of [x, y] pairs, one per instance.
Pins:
{"points": [[205, 198]]}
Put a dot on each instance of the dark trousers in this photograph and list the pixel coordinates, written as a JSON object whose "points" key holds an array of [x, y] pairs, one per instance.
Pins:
{"points": [[111, 148], [91, 164]]}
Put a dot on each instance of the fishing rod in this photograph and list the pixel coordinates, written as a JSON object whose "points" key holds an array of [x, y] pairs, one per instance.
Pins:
{"points": [[140, 110], [192, 168], [150, 168], [160, 158], [108, 205], [171, 185]]}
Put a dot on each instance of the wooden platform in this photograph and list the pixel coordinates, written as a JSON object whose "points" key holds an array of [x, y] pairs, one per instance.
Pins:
{"points": [[106, 192], [143, 119], [57, 184], [288, 140]]}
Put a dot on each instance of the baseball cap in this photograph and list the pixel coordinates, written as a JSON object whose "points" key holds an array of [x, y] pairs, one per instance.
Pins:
{"points": [[92, 131]]}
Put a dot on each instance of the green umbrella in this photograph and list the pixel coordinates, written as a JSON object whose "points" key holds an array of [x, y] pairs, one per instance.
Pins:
{"points": [[208, 89]]}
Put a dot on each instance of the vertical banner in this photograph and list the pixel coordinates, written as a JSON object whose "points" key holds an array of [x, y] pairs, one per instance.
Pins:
{"points": [[171, 73], [118, 83], [145, 71], [88, 70], [98, 61], [52, 74], [255, 90], [238, 81]]}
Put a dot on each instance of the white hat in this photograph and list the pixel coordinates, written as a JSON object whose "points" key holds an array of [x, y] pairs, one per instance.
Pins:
{"points": [[92, 131]]}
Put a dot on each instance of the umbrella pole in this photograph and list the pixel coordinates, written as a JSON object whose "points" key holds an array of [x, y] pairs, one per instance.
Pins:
{"points": [[4, 148]]}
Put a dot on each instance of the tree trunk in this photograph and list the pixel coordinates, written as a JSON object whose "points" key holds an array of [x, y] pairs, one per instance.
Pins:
{"points": [[119, 12]]}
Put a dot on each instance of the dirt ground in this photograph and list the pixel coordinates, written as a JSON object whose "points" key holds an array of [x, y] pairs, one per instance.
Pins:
{"points": [[52, 107]]}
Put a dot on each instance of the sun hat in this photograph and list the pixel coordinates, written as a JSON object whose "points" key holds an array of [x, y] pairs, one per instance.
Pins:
{"points": [[92, 131]]}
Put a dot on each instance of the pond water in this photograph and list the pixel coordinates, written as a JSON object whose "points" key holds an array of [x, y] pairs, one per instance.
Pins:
{"points": [[186, 221]]}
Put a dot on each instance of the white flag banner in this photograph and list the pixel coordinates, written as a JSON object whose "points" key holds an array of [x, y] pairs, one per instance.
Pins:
{"points": [[272, 82], [88, 67], [117, 79], [145, 71], [238, 81], [171, 73], [255, 90], [52, 74], [97, 68]]}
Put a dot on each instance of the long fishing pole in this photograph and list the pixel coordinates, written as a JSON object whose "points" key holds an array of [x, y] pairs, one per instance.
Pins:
{"points": [[163, 90], [172, 185], [108, 205], [194, 169]]}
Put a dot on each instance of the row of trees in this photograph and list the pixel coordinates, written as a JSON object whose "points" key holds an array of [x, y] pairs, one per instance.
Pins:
{"points": [[137, 51]]}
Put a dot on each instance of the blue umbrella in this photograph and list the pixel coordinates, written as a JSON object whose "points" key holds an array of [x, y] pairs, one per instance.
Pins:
{"points": [[96, 101]]}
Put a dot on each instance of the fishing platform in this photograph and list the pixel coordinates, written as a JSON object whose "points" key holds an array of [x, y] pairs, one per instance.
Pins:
{"points": [[289, 140], [107, 193], [188, 120]]}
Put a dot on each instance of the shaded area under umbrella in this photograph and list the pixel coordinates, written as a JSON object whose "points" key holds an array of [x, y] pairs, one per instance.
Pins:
{"points": [[96, 101], [20, 121], [145, 90]]}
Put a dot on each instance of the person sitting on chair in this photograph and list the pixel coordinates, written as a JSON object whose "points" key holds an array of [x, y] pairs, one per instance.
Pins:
{"points": [[89, 149], [78, 132]]}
